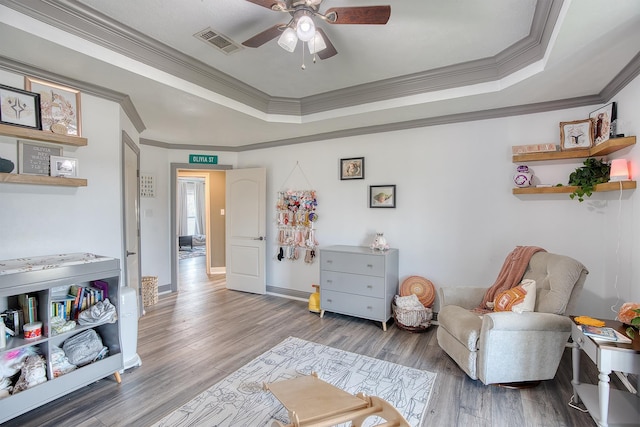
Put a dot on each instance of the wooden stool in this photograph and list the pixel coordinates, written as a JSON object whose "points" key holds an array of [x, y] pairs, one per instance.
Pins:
{"points": [[312, 402]]}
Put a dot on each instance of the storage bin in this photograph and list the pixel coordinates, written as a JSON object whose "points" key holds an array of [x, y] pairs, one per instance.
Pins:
{"points": [[149, 290], [413, 320]]}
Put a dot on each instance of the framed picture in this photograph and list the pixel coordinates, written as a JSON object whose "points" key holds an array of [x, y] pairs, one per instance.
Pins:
{"points": [[35, 159], [576, 135], [604, 123], [382, 196], [19, 108], [64, 166], [59, 106], [352, 168]]}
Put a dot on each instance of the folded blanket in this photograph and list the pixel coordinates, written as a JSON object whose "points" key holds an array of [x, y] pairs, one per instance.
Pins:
{"points": [[511, 273]]}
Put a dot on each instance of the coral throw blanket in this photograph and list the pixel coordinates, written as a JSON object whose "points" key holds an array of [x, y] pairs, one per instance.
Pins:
{"points": [[511, 273]]}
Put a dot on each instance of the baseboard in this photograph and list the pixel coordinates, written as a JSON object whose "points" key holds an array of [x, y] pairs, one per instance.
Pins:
{"points": [[288, 293]]}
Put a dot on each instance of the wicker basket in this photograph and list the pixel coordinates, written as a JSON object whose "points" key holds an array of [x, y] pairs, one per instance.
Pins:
{"points": [[412, 320], [149, 290]]}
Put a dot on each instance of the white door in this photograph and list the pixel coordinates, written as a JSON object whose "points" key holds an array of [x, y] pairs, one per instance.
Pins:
{"points": [[131, 206], [245, 229]]}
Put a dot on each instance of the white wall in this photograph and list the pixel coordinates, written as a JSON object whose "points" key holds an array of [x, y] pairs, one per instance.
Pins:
{"points": [[456, 217], [43, 220]]}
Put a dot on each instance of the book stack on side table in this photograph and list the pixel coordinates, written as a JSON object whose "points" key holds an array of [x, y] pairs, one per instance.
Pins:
{"points": [[604, 333]]}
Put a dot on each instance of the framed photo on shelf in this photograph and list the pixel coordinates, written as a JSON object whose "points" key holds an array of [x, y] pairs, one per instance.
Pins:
{"points": [[352, 168], [382, 196], [19, 108], [35, 159], [59, 106], [64, 166], [576, 135], [604, 119]]}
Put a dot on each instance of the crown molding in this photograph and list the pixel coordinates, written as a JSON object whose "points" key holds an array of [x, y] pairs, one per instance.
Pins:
{"points": [[624, 77], [515, 57], [170, 146], [517, 110], [78, 19], [84, 87]]}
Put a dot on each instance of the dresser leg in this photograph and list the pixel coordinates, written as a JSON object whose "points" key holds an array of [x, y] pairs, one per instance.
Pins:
{"points": [[116, 375], [321, 314], [384, 326]]}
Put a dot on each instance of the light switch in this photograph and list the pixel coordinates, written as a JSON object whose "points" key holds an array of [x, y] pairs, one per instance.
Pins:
{"points": [[222, 212]]}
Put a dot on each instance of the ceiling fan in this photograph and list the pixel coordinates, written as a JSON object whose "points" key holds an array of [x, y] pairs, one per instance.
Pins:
{"points": [[302, 27]]}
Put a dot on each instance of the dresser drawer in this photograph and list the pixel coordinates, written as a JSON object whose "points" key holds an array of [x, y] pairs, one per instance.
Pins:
{"points": [[359, 306], [370, 286], [368, 264]]}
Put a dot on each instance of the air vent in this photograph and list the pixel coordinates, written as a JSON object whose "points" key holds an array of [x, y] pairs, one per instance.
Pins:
{"points": [[217, 40]]}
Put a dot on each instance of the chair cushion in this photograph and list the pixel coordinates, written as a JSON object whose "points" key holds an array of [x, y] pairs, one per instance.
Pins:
{"points": [[461, 324], [518, 299], [555, 277]]}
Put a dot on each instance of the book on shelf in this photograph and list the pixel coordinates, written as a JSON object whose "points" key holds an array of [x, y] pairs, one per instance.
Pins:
{"points": [[84, 297], [103, 286], [605, 333], [29, 306]]}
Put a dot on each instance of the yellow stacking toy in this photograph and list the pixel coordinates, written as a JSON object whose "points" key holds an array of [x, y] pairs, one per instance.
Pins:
{"points": [[314, 300]]}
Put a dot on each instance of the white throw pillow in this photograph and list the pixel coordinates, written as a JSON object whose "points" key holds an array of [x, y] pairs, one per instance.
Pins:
{"points": [[518, 299]]}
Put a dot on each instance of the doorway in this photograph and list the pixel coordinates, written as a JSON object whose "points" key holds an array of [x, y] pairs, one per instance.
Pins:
{"points": [[197, 232]]}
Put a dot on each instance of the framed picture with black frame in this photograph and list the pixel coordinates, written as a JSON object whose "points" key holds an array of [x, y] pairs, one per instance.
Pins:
{"points": [[20, 108], [382, 196], [352, 168]]}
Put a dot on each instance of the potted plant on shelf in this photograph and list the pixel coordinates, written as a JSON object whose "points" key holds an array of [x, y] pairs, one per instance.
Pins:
{"points": [[586, 178]]}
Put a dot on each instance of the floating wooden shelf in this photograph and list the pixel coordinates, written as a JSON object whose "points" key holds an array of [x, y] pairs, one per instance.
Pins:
{"points": [[609, 186], [42, 180], [40, 135], [607, 147]]}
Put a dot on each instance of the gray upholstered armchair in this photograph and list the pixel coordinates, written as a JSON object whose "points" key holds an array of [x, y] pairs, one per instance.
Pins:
{"points": [[509, 347]]}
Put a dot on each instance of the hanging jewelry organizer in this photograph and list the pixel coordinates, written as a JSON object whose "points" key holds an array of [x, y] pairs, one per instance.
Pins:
{"points": [[296, 215]]}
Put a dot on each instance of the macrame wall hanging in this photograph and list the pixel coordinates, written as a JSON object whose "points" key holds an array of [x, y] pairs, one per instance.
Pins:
{"points": [[296, 215]]}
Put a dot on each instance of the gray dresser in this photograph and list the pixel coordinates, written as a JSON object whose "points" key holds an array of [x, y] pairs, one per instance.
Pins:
{"points": [[358, 281]]}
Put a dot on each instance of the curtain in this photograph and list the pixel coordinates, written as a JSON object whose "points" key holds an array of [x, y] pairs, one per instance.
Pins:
{"points": [[183, 228], [198, 196]]}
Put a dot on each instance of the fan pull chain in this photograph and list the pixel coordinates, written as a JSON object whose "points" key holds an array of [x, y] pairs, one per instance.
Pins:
{"points": [[303, 66], [314, 50]]}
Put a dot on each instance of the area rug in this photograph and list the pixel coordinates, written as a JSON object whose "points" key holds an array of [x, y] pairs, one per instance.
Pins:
{"points": [[239, 399], [192, 253]]}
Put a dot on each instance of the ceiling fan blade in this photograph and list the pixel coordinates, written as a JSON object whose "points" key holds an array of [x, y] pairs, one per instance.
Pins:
{"points": [[265, 36], [359, 15], [328, 51], [265, 3]]}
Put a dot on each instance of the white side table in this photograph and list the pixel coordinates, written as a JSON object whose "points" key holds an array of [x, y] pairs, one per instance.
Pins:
{"points": [[607, 407]]}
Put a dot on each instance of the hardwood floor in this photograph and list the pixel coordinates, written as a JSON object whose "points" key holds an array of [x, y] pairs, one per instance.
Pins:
{"points": [[189, 341]]}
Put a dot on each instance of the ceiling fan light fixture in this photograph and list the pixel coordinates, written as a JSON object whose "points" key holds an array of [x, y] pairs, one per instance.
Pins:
{"points": [[316, 44], [305, 28], [288, 40]]}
